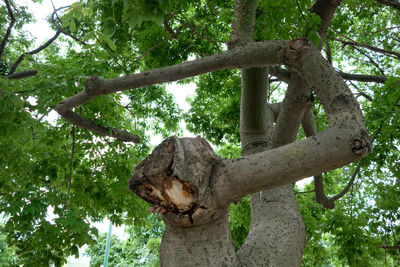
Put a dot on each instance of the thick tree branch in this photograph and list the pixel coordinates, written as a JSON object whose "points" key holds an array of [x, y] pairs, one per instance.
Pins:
{"points": [[280, 73], [337, 146], [35, 51], [292, 111], [243, 23], [325, 9], [255, 54], [392, 3], [9, 28]]}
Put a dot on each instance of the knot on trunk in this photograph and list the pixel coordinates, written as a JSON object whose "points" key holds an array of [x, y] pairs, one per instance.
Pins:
{"points": [[361, 144], [175, 178]]}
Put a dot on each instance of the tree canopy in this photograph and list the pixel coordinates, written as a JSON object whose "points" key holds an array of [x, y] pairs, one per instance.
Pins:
{"points": [[79, 170]]}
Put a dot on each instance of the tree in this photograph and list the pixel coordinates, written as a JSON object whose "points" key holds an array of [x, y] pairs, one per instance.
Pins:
{"points": [[7, 254], [140, 249], [79, 164]]}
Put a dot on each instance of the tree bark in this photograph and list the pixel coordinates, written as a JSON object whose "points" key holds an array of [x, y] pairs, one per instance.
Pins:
{"points": [[191, 187]]}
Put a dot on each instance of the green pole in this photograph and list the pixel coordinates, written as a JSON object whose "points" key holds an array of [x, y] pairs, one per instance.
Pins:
{"points": [[105, 263]]}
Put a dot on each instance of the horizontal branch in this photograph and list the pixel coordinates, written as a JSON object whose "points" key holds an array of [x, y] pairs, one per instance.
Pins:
{"points": [[254, 54], [335, 147], [284, 75], [22, 74], [274, 168], [391, 247], [280, 73], [83, 122], [363, 78]]}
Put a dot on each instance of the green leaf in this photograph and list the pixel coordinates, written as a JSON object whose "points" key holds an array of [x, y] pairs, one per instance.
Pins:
{"points": [[72, 25], [104, 38]]}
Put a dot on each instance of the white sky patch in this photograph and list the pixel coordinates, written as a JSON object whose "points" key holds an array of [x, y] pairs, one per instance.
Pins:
{"points": [[41, 29]]}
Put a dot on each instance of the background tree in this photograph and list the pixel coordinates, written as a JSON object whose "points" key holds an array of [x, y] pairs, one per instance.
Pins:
{"points": [[140, 249], [82, 175]]}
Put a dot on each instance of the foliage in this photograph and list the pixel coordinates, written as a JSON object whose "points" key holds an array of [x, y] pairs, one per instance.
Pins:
{"points": [[8, 256], [55, 178], [140, 249]]}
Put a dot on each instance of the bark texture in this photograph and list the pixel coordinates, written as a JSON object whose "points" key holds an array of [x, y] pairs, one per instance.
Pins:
{"points": [[192, 188], [177, 179]]}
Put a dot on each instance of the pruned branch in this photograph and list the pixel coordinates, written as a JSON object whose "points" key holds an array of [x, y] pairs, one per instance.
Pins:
{"points": [[35, 51], [9, 28], [392, 3]]}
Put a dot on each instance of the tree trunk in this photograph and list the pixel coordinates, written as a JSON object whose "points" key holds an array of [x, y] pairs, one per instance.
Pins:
{"points": [[192, 188]]}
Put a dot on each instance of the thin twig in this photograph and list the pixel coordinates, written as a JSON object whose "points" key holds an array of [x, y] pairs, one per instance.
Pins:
{"points": [[361, 93], [35, 51], [304, 192], [151, 49], [382, 30], [190, 27], [390, 53], [60, 28], [371, 60]]}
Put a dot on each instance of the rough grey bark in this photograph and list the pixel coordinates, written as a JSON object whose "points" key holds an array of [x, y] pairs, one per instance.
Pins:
{"points": [[201, 187], [277, 233], [225, 181], [177, 179]]}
